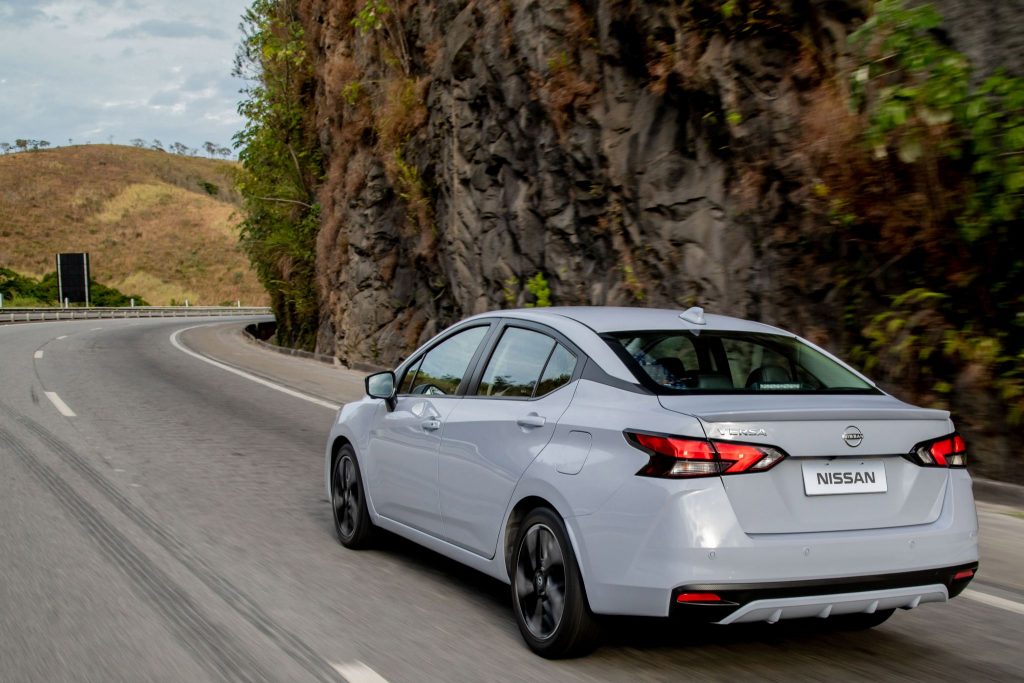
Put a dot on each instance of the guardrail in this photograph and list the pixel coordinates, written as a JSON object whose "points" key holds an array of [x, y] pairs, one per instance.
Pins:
{"points": [[27, 315]]}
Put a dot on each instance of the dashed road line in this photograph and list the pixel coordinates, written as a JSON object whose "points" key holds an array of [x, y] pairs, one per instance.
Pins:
{"points": [[95, 328], [994, 601], [357, 672], [174, 338], [63, 336], [59, 404], [38, 355]]}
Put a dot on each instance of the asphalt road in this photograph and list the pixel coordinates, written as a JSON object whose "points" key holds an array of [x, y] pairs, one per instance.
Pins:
{"points": [[175, 529]]}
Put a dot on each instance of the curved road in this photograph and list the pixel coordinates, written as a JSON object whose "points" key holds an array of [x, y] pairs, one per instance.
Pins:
{"points": [[163, 519]]}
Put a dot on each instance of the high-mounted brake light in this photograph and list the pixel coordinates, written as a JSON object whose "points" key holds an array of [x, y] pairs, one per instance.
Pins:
{"points": [[949, 451], [678, 456]]}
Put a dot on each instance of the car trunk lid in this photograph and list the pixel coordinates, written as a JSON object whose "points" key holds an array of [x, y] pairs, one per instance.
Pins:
{"points": [[857, 439]]}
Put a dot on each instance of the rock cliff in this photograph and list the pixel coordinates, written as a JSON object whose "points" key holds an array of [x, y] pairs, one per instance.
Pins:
{"points": [[646, 153]]}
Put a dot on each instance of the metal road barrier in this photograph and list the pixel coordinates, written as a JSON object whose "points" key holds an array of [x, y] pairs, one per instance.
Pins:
{"points": [[27, 315]]}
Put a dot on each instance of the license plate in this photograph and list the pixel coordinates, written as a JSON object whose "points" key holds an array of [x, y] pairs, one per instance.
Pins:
{"points": [[831, 477]]}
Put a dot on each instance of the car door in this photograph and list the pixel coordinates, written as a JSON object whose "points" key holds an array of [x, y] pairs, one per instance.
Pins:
{"points": [[498, 429], [403, 443]]}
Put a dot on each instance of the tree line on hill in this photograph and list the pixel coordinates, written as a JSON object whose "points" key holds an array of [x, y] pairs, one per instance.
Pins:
{"points": [[212, 149]]}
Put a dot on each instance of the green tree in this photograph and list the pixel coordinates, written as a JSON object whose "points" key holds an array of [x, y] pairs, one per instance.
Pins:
{"points": [[281, 165]]}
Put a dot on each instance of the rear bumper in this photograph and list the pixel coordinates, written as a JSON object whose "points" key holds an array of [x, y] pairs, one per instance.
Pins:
{"points": [[656, 536], [770, 602]]}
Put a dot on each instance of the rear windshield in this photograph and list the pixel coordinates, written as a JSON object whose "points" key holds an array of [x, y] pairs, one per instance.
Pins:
{"points": [[679, 362]]}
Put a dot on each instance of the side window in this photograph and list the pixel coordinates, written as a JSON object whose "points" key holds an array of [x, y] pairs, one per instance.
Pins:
{"points": [[516, 364], [442, 369], [558, 371]]}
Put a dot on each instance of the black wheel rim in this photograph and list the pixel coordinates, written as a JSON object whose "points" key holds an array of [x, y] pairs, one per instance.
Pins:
{"points": [[346, 497], [540, 581]]}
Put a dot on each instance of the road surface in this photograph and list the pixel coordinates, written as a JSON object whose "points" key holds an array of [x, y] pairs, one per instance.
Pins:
{"points": [[163, 518]]}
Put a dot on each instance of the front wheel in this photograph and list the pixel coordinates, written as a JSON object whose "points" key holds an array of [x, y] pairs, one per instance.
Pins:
{"points": [[348, 500], [548, 598]]}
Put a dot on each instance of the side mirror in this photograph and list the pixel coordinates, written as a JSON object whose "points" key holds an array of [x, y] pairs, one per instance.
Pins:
{"points": [[382, 385]]}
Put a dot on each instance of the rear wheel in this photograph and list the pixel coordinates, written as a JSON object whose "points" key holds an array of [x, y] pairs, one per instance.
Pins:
{"points": [[548, 598], [859, 622], [348, 500]]}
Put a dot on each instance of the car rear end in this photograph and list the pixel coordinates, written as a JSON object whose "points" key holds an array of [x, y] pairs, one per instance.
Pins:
{"points": [[788, 498]]}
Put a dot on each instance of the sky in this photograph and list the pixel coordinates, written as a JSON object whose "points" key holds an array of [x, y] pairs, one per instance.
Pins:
{"points": [[104, 71]]}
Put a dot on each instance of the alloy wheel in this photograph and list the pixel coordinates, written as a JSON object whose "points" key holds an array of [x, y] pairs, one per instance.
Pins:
{"points": [[540, 581], [346, 495]]}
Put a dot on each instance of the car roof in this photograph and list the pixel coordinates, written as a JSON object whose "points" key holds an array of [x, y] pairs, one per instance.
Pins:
{"points": [[603, 319]]}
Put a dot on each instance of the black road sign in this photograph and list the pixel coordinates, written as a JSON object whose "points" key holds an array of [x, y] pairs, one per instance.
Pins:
{"points": [[73, 277]]}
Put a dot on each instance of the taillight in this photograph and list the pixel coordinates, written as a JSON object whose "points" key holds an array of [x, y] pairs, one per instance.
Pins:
{"points": [[679, 456], [949, 451]]}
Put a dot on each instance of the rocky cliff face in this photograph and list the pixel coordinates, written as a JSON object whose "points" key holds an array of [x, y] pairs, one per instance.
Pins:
{"points": [[632, 152]]}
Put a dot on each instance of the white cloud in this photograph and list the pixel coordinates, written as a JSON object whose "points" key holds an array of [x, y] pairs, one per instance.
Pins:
{"points": [[92, 70]]}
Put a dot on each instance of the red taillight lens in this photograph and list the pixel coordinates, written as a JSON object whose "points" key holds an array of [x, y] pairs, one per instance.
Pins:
{"points": [[963, 574], [684, 449], [678, 456], [949, 451]]}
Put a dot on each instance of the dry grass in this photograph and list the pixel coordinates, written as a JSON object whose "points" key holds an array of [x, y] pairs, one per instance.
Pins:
{"points": [[145, 217]]}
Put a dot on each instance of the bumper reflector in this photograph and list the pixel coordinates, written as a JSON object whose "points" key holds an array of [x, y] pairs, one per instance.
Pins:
{"points": [[698, 597], [963, 574]]}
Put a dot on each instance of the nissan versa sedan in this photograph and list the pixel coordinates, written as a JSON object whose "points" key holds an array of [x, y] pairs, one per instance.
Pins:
{"points": [[621, 461]]}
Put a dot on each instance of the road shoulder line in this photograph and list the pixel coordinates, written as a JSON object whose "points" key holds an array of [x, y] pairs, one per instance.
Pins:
{"points": [[993, 601], [176, 343]]}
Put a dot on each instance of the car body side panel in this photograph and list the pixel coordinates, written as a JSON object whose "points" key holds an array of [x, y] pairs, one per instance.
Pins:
{"points": [[483, 454]]}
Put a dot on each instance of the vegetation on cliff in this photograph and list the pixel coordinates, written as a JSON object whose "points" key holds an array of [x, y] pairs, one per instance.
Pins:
{"points": [[954, 145], [280, 166]]}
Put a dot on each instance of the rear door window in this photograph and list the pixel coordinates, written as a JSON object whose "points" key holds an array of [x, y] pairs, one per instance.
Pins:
{"points": [[515, 367], [558, 371]]}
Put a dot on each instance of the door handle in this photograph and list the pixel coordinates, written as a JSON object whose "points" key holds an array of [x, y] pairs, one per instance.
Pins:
{"points": [[431, 425], [531, 420]]}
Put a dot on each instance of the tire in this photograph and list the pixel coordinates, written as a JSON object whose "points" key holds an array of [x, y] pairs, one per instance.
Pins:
{"points": [[544, 574], [348, 501], [860, 621]]}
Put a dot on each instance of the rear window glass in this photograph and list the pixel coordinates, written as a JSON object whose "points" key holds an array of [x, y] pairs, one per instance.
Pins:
{"points": [[732, 362]]}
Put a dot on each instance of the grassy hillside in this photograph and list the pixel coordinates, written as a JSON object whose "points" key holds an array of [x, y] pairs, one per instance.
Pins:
{"points": [[158, 224]]}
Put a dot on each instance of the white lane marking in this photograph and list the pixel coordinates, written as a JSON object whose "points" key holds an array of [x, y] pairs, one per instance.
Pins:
{"points": [[241, 373], [994, 601], [95, 328], [63, 336], [59, 404], [357, 672], [38, 355]]}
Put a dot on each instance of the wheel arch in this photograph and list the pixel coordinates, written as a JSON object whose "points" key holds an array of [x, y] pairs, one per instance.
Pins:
{"points": [[531, 500]]}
